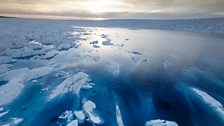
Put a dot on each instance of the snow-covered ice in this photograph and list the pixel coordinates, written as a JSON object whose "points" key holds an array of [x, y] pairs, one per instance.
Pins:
{"points": [[72, 84], [80, 116], [67, 115], [16, 80], [121, 72], [73, 123], [213, 103], [3, 113], [118, 116], [159, 122], [89, 108]]}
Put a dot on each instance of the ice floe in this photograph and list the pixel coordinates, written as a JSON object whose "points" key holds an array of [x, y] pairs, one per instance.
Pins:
{"points": [[3, 113], [137, 57], [96, 46], [16, 80], [89, 108], [72, 84], [13, 122], [107, 42], [67, 115], [50, 54], [159, 122], [80, 116], [118, 116], [212, 102], [73, 123], [113, 67], [94, 42]]}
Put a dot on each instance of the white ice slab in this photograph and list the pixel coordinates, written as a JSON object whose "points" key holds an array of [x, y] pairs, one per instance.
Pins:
{"points": [[72, 84], [159, 122], [89, 109], [80, 116], [16, 80], [209, 100]]}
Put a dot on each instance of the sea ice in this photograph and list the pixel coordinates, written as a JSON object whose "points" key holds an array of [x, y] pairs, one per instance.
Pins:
{"points": [[5, 67], [3, 113], [119, 117], [213, 103], [94, 42], [159, 122], [73, 123], [80, 116], [72, 84], [16, 80], [6, 60], [113, 67], [96, 46], [89, 108], [107, 42], [67, 115]]}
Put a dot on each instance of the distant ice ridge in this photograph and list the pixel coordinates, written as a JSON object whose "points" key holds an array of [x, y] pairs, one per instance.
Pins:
{"points": [[16, 79], [159, 122]]}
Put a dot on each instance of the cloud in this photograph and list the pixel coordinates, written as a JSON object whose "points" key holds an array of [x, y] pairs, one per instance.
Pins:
{"points": [[115, 8]]}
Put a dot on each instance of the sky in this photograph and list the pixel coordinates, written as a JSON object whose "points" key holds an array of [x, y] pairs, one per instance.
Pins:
{"points": [[113, 9]]}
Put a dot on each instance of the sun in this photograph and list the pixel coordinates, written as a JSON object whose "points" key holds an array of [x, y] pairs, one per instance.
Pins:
{"points": [[101, 6]]}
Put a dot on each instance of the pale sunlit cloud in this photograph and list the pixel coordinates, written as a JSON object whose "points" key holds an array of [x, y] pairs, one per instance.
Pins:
{"points": [[113, 8]]}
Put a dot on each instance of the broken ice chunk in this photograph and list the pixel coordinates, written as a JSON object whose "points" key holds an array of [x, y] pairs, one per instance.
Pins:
{"points": [[96, 46], [16, 80], [4, 113], [119, 117], [23, 52], [159, 122], [50, 54], [137, 57], [213, 103], [103, 36], [88, 85], [89, 108], [64, 46], [94, 42], [6, 59], [73, 123], [72, 84], [113, 67], [14, 122], [17, 121], [80, 116], [67, 115], [107, 42]]}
